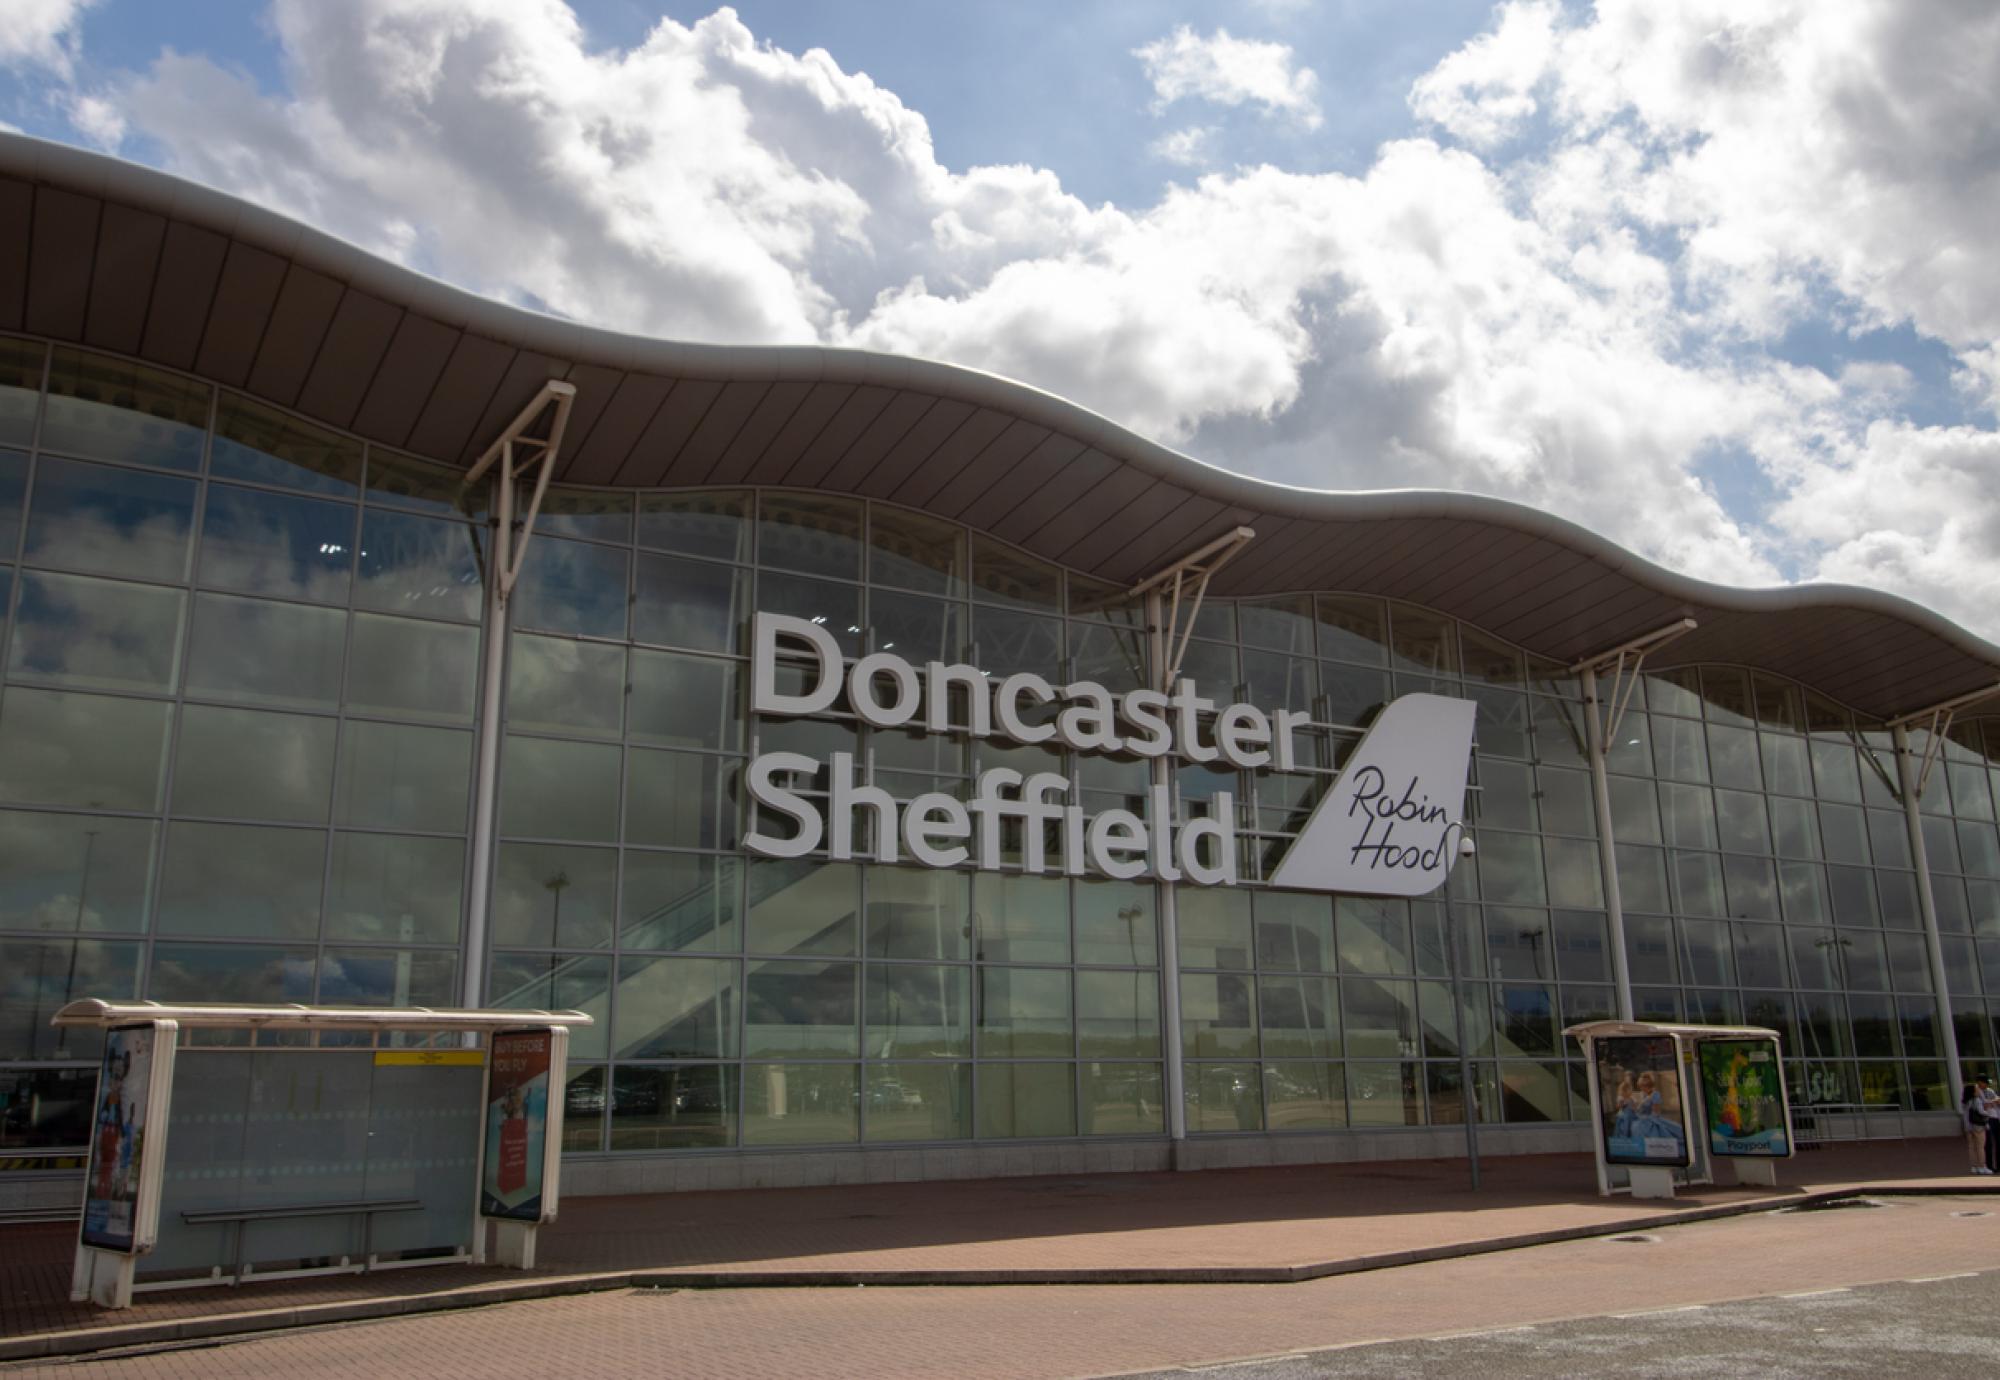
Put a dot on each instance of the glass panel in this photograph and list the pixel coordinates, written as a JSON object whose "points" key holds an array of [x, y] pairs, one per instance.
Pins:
{"points": [[1021, 919], [923, 1011], [1785, 764], [1688, 814], [1422, 641], [1024, 1013], [291, 782], [1005, 642], [96, 634], [13, 487], [388, 977], [681, 799], [556, 982], [1635, 811], [1022, 1100], [1122, 1099], [109, 409], [1740, 822], [412, 668], [1115, 923], [552, 897], [1510, 868], [1301, 1017], [557, 684], [418, 565], [1732, 753], [261, 543], [38, 977], [1374, 934], [403, 481], [1223, 1097], [1283, 624], [1752, 889], [1214, 927], [236, 881], [802, 1010], [686, 701], [914, 551], [58, 748], [1532, 1092], [573, 587], [1794, 827], [74, 872], [677, 1008], [393, 776], [1351, 628], [1698, 884], [691, 604], [1353, 696], [1524, 1020], [801, 1104], [560, 790], [1305, 1097], [1385, 1095], [242, 973], [583, 1108], [672, 1107], [1295, 931], [266, 446], [799, 906], [918, 913], [48, 1108], [811, 534], [113, 522], [712, 523], [1581, 951], [250, 650], [1517, 943], [1380, 1017], [587, 513], [1002, 575], [399, 890], [909, 1102], [20, 391], [1118, 1015], [917, 628], [1576, 876], [680, 901]]}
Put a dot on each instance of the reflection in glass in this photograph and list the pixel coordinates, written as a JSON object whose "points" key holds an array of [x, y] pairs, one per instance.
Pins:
{"points": [[686, 701], [13, 489], [403, 481], [96, 634], [110, 521], [59, 748], [1122, 1099], [110, 409], [681, 799], [237, 881], [292, 776], [802, 1010], [399, 890], [917, 628], [1003, 575], [418, 565], [253, 651], [560, 685], [1024, 1013], [1223, 1097], [38, 977], [1026, 1100], [691, 604], [1214, 927], [257, 975], [677, 1008], [412, 668], [914, 551], [711, 523], [296, 548], [1021, 919], [1114, 923], [919, 1011], [574, 588], [801, 1104], [62, 872], [20, 391], [672, 1107], [266, 446], [1352, 628], [396, 776], [586, 513], [1118, 1015], [810, 533], [1305, 1096], [556, 790], [680, 901], [918, 912], [558, 982], [1218, 1016], [388, 977], [548, 896], [907, 1102]]}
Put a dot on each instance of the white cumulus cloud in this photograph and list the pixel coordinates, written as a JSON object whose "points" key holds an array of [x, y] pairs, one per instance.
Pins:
{"points": [[1229, 71], [40, 33]]}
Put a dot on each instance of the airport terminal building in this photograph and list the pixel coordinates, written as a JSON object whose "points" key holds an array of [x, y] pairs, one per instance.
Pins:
{"points": [[302, 700]]}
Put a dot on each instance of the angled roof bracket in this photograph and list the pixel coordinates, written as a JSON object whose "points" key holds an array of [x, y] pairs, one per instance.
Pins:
{"points": [[508, 553], [1624, 662], [1191, 572], [1936, 723]]}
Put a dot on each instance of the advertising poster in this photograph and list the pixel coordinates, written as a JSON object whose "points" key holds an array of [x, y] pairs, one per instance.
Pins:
{"points": [[1744, 1088], [517, 1125], [1639, 1094], [118, 1139]]}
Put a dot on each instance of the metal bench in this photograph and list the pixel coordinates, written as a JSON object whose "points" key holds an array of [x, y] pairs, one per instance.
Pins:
{"points": [[366, 1210]]}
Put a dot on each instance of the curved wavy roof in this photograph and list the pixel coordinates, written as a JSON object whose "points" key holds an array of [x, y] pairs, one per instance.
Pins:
{"points": [[108, 254]]}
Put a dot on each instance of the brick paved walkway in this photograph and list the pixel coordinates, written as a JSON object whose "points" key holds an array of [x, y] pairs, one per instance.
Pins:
{"points": [[1219, 1226]]}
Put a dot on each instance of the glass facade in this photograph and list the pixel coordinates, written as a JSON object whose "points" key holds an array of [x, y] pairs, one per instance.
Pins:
{"points": [[241, 658]]}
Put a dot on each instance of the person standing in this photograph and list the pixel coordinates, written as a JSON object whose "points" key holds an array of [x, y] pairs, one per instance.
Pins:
{"points": [[1989, 1103], [1973, 1112]]}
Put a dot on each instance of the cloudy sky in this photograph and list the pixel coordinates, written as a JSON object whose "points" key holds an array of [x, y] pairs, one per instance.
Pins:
{"points": [[1719, 280]]}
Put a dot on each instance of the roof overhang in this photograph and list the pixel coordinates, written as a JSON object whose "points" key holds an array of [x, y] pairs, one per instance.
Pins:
{"points": [[114, 256], [95, 1013]]}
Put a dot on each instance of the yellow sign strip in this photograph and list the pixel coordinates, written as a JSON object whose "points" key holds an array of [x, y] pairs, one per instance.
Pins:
{"points": [[437, 1057]]}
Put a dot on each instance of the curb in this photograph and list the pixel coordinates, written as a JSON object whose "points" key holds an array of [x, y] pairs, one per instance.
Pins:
{"points": [[83, 1341]]}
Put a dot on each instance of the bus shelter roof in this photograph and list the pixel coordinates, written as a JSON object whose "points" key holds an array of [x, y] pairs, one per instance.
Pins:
{"points": [[1602, 1030], [95, 1012]]}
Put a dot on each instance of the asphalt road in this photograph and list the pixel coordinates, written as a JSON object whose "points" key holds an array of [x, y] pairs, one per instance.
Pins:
{"points": [[1932, 1329]]}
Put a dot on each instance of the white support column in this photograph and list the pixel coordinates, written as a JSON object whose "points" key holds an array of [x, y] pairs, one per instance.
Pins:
{"points": [[1607, 843], [1158, 636], [1911, 785]]}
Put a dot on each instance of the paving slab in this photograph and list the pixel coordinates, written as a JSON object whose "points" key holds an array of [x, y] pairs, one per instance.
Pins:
{"points": [[1263, 1225]]}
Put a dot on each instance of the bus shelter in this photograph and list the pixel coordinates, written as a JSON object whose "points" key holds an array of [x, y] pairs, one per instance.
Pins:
{"points": [[1684, 1104], [232, 1143]]}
